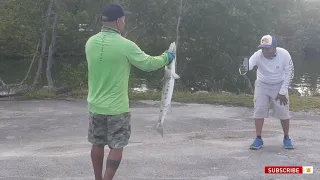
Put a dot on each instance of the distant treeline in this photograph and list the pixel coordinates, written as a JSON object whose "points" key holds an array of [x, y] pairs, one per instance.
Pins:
{"points": [[215, 35]]}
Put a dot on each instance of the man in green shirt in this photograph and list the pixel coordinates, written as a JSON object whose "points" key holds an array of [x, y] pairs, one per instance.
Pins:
{"points": [[109, 57]]}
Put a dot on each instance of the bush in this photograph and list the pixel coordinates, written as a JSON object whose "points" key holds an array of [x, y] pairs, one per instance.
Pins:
{"points": [[74, 76]]}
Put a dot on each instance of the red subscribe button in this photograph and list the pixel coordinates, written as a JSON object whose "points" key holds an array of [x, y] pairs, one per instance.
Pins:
{"points": [[288, 170]]}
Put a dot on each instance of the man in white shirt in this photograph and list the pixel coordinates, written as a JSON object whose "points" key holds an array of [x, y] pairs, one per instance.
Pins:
{"points": [[274, 74]]}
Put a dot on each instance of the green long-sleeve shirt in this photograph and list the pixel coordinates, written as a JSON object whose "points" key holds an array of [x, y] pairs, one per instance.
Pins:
{"points": [[109, 57]]}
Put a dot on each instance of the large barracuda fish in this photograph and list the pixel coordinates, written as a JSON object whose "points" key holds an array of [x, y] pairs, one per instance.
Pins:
{"points": [[168, 85]]}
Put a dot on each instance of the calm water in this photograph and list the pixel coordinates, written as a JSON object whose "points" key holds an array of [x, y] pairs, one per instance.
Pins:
{"points": [[307, 76], [306, 80]]}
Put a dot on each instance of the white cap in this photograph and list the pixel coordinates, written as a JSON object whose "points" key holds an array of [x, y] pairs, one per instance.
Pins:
{"points": [[267, 41]]}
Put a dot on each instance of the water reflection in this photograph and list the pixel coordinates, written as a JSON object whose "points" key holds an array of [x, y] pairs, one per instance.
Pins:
{"points": [[307, 76], [306, 80], [306, 87]]}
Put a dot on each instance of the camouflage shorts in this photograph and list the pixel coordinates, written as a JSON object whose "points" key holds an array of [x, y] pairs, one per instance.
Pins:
{"points": [[111, 130]]}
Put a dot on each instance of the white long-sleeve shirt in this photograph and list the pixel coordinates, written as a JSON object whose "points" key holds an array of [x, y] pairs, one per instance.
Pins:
{"points": [[274, 71]]}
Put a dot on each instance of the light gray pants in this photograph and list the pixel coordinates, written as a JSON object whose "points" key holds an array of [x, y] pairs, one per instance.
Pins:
{"points": [[264, 96]]}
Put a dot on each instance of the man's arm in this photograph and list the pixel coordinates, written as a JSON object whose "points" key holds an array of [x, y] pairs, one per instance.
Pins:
{"points": [[144, 61], [253, 61], [289, 74]]}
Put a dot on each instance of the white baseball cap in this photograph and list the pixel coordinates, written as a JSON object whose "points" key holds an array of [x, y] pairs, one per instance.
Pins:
{"points": [[267, 41]]}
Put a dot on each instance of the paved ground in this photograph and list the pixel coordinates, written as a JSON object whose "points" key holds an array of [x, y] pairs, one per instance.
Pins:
{"points": [[46, 140]]}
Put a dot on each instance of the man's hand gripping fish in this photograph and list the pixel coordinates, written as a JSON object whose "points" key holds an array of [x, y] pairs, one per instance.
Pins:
{"points": [[168, 85]]}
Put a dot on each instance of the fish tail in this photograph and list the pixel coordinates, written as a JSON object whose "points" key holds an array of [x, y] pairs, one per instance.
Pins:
{"points": [[159, 127]]}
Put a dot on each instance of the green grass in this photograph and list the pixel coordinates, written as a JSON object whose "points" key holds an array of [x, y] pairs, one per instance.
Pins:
{"points": [[39, 95], [297, 103], [209, 98]]}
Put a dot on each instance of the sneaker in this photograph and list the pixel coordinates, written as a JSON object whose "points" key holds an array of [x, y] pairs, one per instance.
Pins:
{"points": [[257, 144], [287, 144]]}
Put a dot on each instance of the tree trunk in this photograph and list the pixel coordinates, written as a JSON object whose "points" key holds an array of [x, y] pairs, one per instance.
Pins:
{"points": [[43, 49], [52, 47], [177, 28], [32, 62], [2, 82], [43, 46]]}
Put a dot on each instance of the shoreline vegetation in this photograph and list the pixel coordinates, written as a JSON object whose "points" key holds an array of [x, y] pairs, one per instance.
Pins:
{"points": [[297, 103], [42, 45]]}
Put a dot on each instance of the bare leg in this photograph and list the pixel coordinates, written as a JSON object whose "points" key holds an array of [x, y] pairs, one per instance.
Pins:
{"points": [[113, 162], [259, 125], [286, 140], [285, 127], [258, 143], [97, 155]]}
